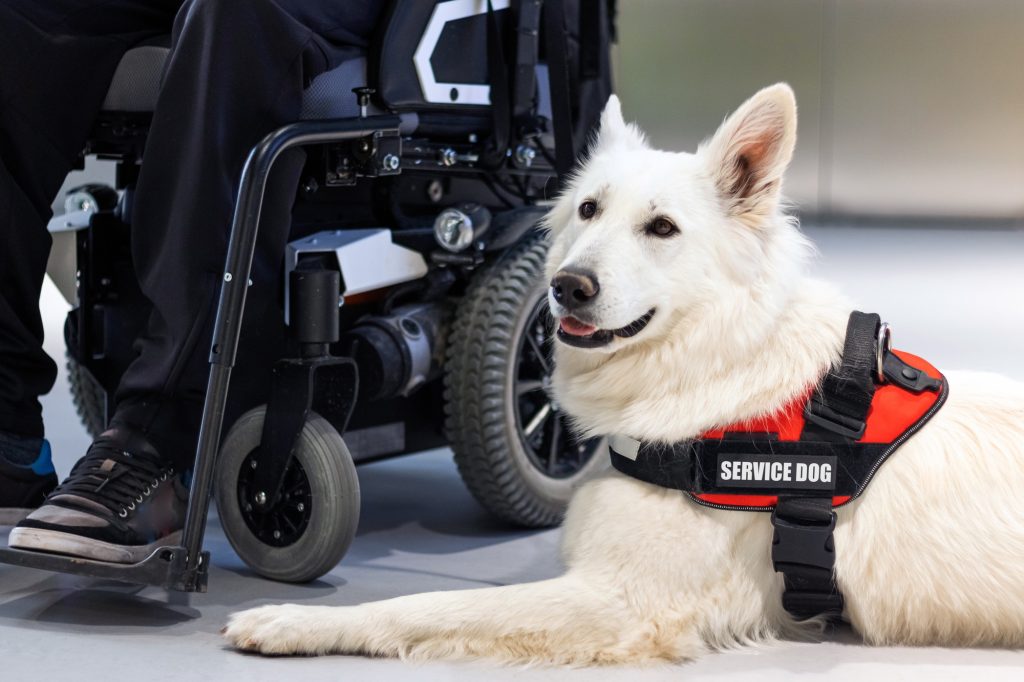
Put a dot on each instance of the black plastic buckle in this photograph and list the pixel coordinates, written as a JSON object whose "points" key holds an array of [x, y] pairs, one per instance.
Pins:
{"points": [[820, 414], [906, 376], [803, 544]]}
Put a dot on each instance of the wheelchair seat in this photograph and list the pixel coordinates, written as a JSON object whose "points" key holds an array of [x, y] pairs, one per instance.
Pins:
{"points": [[136, 84]]}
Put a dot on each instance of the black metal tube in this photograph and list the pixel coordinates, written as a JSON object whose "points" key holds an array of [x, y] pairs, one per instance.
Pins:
{"points": [[231, 306]]}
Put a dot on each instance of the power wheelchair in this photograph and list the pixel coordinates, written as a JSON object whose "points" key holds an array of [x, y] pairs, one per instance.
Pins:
{"points": [[413, 289]]}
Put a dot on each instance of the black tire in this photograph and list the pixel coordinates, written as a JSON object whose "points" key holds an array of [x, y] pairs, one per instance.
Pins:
{"points": [[306, 535], [488, 406], [88, 397]]}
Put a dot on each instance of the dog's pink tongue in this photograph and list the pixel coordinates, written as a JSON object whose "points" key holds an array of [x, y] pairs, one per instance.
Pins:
{"points": [[572, 326]]}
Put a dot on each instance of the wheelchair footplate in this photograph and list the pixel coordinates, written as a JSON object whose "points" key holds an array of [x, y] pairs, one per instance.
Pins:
{"points": [[166, 567]]}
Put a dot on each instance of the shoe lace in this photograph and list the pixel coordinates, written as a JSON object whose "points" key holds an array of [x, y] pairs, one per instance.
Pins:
{"points": [[114, 477]]}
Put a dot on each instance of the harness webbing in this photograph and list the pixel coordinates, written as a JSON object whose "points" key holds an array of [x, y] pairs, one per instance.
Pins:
{"points": [[817, 453]]}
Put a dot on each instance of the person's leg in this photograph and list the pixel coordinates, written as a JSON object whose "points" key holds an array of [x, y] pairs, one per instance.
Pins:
{"points": [[56, 61], [236, 72]]}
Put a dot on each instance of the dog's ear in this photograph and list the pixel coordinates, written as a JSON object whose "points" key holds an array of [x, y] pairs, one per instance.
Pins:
{"points": [[750, 152], [614, 132]]}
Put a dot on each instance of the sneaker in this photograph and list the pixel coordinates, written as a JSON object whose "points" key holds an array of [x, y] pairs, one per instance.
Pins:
{"points": [[120, 503], [24, 487]]}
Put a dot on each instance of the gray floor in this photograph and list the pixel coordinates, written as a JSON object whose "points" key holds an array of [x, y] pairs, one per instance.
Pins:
{"points": [[953, 296]]}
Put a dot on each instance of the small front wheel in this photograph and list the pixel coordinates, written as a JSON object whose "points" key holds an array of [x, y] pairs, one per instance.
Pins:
{"points": [[307, 532]]}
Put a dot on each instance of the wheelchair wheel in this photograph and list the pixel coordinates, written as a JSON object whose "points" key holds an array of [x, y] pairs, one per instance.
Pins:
{"points": [[308, 531], [512, 445], [88, 397]]}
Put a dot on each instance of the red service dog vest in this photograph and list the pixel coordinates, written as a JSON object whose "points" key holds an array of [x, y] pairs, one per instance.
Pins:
{"points": [[819, 452]]}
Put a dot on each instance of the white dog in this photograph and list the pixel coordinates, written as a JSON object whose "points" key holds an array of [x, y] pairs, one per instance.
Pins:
{"points": [[933, 553]]}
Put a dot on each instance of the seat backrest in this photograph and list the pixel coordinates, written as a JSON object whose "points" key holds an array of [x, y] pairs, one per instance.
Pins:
{"points": [[433, 55]]}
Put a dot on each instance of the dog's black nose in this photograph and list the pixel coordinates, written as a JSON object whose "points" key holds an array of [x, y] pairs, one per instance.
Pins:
{"points": [[574, 288]]}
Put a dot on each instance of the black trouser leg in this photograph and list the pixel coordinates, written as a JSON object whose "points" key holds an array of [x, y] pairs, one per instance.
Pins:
{"points": [[56, 61], [237, 71]]}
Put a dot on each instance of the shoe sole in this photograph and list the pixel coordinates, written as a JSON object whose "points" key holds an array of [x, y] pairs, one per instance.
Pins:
{"points": [[13, 516], [56, 542]]}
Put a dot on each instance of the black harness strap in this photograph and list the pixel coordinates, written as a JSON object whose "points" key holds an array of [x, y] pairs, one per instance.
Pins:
{"points": [[840, 406], [803, 551]]}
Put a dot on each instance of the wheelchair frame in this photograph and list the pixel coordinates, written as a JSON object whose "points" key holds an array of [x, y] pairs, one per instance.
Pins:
{"points": [[185, 567]]}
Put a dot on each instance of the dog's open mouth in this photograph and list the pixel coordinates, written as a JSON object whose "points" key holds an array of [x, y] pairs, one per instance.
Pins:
{"points": [[582, 335]]}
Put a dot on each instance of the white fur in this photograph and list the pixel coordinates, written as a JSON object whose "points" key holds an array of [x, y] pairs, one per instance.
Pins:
{"points": [[933, 553]]}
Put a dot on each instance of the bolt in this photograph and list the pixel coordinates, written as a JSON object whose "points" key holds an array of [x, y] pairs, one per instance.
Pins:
{"points": [[252, 464], [447, 156], [390, 162], [227, 276], [277, 535], [363, 95], [261, 498], [300, 507], [525, 155]]}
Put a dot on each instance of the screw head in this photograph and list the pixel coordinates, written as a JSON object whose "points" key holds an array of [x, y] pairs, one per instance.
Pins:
{"points": [[390, 162], [277, 535], [261, 498], [300, 507]]}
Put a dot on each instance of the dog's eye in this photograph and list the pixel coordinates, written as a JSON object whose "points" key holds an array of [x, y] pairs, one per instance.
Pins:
{"points": [[662, 227], [588, 209]]}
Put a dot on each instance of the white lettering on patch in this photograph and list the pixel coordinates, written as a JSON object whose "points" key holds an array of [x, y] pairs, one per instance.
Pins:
{"points": [[751, 471]]}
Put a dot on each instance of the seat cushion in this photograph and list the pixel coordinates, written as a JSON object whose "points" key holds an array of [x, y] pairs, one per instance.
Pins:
{"points": [[136, 84]]}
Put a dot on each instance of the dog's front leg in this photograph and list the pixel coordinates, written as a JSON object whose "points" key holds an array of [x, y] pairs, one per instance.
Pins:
{"points": [[563, 620]]}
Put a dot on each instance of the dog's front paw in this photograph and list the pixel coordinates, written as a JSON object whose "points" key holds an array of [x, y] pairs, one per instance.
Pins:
{"points": [[279, 630]]}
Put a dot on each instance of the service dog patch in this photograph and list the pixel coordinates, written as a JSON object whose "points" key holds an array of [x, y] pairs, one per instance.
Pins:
{"points": [[788, 472]]}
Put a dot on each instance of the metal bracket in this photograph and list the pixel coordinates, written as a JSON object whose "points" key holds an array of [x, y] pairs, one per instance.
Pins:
{"points": [[374, 155], [327, 385]]}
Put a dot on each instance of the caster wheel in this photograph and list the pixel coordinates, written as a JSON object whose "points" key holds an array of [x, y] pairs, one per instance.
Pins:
{"points": [[307, 532], [513, 446]]}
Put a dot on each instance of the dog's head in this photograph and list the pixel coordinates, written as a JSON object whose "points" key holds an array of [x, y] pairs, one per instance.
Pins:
{"points": [[643, 240]]}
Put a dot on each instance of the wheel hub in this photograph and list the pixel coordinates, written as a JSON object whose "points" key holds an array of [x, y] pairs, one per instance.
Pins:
{"points": [[284, 521], [550, 445]]}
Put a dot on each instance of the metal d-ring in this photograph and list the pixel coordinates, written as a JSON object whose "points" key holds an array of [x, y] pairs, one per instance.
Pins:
{"points": [[883, 345]]}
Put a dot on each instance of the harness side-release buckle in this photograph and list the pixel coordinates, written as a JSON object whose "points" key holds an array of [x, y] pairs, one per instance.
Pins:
{"points": [[803, 551], [804, 544], [822, 415]]}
